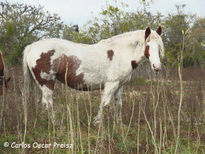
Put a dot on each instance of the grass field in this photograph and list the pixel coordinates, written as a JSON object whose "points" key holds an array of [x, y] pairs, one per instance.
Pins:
{"points": [[151, 121]]}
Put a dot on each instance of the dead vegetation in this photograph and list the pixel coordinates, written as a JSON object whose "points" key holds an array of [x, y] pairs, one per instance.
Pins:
{"points": [[148, 125]]}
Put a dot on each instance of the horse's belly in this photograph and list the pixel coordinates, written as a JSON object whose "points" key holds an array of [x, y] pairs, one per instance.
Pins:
{"points": [[77, 82], [67, 73]]}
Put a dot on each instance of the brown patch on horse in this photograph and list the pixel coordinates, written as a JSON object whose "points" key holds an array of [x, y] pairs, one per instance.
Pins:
{"points": [[70, 64], [146, 53], [110, 54], [43, 64], [134, 64], [1, 65], [3, 80], [1, 91]]}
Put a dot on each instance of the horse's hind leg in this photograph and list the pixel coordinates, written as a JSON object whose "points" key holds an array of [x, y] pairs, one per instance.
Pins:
{"points": [[47, 101]]}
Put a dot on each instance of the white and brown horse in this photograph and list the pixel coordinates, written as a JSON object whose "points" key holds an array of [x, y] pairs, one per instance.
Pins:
{"points": [[107, 64]]}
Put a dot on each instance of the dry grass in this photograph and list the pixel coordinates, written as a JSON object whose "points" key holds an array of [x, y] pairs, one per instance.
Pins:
{"points": [[149, 117]]}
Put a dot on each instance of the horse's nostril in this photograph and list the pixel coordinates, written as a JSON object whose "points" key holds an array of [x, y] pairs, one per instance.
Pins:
{"points": [[154, 66]]}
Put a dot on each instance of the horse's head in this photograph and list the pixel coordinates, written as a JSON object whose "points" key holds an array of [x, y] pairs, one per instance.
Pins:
{"points": [[154, 47]]}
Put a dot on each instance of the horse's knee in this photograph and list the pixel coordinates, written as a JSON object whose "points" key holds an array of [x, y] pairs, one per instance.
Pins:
{"points": [[118, 97]]}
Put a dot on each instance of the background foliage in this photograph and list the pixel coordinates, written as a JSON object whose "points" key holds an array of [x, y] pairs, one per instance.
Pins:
{"points": [[22, 24], [161, 113]]}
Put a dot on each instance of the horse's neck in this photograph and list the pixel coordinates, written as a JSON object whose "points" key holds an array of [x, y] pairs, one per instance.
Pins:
{"points": [[129, 45]]}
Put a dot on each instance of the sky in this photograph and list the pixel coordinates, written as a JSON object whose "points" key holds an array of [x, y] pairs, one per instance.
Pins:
{"points": [[80, 11]]}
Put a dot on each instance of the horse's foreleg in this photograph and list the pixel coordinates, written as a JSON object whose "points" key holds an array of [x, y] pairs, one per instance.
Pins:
{"points": [[118, 103], [109, 90]]}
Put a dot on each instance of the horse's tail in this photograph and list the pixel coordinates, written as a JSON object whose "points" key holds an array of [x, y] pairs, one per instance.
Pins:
{"points": [[27, 77]]}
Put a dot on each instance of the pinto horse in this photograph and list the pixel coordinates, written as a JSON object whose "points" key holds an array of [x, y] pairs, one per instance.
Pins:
{"points": [[107, 64], [3, 80]]}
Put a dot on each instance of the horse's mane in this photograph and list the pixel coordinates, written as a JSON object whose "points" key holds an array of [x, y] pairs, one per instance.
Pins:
{"points": [[120, 36]]}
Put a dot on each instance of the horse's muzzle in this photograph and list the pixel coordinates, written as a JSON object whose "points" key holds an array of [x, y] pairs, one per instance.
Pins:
{"points": [[157, 67]]}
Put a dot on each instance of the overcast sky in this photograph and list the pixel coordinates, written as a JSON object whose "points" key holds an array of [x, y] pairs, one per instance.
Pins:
{"points": [[80, 11]]}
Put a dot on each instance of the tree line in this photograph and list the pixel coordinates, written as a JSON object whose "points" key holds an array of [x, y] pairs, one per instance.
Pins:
{"points": [[22, 24]]}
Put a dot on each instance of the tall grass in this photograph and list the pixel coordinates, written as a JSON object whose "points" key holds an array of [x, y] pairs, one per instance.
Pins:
{"points": [[180, 66], [153, 119]]}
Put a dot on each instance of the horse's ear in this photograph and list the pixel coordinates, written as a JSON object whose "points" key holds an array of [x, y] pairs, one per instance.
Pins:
{"points": [[147, 32], [159, 30]]}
